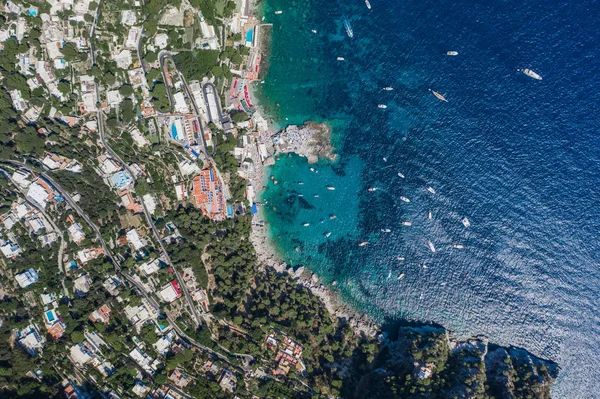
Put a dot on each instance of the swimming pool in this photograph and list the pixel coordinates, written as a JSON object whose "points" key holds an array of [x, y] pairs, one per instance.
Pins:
{"points": [[50, 315], [249, 35]]}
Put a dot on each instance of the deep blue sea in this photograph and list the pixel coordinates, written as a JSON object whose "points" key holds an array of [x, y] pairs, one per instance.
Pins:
{"points": [[520, 158]]}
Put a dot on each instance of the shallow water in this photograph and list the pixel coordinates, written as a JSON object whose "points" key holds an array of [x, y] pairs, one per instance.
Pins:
{"points": [[518, 157]]}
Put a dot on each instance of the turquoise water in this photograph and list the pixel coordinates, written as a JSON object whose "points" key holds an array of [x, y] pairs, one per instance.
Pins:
{"points": [[517, 156]]}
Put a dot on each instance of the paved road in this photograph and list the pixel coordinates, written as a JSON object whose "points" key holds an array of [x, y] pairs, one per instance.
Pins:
{"points": [[165, 255], [161, 59], [61, 267]]}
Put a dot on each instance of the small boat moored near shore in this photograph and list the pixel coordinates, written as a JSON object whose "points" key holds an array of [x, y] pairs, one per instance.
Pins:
{"points": [[278, 12]]}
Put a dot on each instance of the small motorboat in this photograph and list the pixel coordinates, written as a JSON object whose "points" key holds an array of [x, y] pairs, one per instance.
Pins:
{"points": [[452, 53], [306, 224], [382, 106], [362, 244], [401, 276], [430, 245], [368, 4], [466, 222], [386, 230], [278, 12], [340, 58], [431, 190], [332, 217], [331, 188], [328, 234], [371, 189], [408, 224], [403, 198], [429, 215], [457, 246], [531, 74], [314, 31], [400, 175], [438, 95], [388, 88]]}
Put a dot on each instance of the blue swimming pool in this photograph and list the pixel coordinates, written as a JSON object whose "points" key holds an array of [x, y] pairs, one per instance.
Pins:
{"points": [[50, 315], [249, 35], [174, 131]]}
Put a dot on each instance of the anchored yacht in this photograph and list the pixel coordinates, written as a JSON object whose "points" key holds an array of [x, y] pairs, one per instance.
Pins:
{"points": [[362, 244], [452, 53], [407, 224], [466, 222], [430, 245], [382, 106], [431, 190], [532, 74], [388, 88], [404, 199], [401, 175], [438, 95], [368, 4]]}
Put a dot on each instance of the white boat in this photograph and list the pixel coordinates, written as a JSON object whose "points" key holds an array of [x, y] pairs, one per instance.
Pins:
{"points": [[384, 159], [300, 183], [390, 274], [382, 106], [531, 74], [306, 224], [316, 195], [386, 230], [429, 215], [404, 199], [388, 88], [438, 95], [312, 169], [430, 245], [330, 188], [457, 246], [372, 189], [340, 58], [328, 234], [368, 4], [407, 224], [452, 53], [401, 175], [400, 258], [425, 266], [300, 195], [466, 222], [348, 27], [278, 12], [332, 217], [401, 276], [314, 31], [362, 244], [431, 190]]}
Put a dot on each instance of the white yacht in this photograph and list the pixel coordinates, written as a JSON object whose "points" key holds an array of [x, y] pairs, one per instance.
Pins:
{"points": [[404, 199], [401, 276], [340, 58], [382, 106], [362, 244], [316, 195], [429, 215], [372, 189], [300, 183], [314, 31], [457, 246], [400, 175], [390, 274], [430, 245], [452, 53], [531, 74], [431, 190], [466, 222], [407, 224], [278, 12], [306, 224], [400, 258], [368, 4], [388, 88], [438, 95], [312, 169], [328, 234], [331, 188], [386, 230]]}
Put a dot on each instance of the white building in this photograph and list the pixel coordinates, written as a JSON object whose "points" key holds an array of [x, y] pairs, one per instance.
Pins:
{"points": [[26, 278], [150, 267], [161, 40], [38, 194], [181, 106], [132, 37], [136, 241], [76, 233], [150, 203]]}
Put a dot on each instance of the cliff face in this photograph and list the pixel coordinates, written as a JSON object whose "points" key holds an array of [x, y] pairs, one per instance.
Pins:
{"points": [[426, 362]]}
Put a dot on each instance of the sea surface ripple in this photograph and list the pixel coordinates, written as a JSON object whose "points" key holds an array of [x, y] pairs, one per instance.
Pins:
{"points": [[516, 156]]}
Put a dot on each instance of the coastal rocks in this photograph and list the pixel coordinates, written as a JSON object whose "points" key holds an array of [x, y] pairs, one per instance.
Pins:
{"points": [[312, 140], [428, 359]]}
